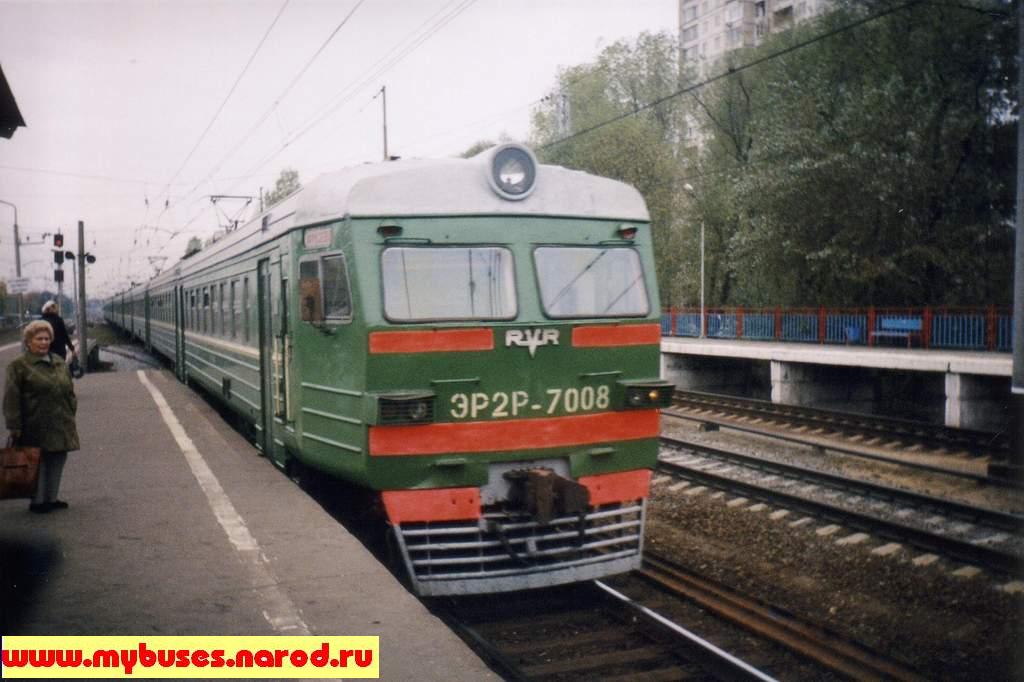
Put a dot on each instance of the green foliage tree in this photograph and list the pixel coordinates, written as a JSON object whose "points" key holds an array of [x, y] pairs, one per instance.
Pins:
{"points": [[476, 148], [194, 246], [643, 150], [872, 167], [286, 184]]}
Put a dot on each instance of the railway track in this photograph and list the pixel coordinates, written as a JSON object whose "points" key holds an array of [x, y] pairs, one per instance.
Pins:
{"points": [[974, 535], [586, 631], [594, 631], [810, 641], [853, 429]]}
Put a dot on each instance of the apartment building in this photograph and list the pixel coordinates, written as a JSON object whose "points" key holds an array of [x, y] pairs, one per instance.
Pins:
{"points": [[710, 29]]}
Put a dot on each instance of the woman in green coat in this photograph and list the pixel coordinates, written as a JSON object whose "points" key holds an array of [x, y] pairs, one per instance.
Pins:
{"points": [[39, 407]]}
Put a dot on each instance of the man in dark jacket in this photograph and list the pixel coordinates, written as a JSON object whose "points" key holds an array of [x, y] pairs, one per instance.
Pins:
{"points": [[61, 341]]}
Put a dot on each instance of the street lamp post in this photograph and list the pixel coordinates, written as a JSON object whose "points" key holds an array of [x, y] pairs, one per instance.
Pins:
{"points": [[689, 188], [703, 327]]}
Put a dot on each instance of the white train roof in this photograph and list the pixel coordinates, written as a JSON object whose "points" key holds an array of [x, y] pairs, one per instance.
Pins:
{"points": [[413, 188], [461, 187]]}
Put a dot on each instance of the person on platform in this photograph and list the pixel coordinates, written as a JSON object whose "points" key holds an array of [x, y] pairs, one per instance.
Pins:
{"points": [[39, 409], [61, 343]]}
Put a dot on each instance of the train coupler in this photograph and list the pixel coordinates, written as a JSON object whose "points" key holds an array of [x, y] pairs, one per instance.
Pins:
{"points": [[545, 495]]}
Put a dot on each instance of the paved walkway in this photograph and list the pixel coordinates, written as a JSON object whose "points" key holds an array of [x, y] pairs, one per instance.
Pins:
{"points": [[177, 526]]}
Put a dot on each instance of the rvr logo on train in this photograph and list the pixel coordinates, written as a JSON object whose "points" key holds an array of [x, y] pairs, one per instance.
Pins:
{"points": [[531, 338]]}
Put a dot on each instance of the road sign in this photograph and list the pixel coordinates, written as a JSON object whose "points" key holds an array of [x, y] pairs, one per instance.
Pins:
{"points": [[17, 286]]}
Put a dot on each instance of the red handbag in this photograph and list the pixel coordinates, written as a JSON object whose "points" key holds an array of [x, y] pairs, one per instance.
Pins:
{"points": [[19, 471]]}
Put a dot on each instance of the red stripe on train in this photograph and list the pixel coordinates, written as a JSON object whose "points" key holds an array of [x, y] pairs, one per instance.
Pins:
{"points": [[517, 434], [616, 335], [618, 487], [462, 504], [436, 504], [432, 341]]}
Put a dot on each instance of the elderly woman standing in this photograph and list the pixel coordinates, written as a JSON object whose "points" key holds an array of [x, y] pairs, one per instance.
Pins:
{"points": [[40, 406]]}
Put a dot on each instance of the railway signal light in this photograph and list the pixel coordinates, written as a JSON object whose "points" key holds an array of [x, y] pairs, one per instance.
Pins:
{"points": [[58, 241], [58, 257], [58, 275]]}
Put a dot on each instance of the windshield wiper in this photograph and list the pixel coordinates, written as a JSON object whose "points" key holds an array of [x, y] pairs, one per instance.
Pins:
{"points": [[624, 292], [565, 289]]}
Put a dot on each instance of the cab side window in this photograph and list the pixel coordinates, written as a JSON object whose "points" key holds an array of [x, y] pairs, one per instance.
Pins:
{"points": [[324, 292]]}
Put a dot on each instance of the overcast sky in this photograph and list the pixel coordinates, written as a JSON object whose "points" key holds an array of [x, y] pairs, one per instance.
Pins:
{"points": [[117, 97]]}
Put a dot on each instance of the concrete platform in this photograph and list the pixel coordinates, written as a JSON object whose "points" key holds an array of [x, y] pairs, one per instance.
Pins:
{"points": [[156, 544], [965, 389], [908, 359]]}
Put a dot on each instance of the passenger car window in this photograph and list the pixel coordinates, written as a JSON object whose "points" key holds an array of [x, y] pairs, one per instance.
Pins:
{"points": [[591, 281], [455, 283]]}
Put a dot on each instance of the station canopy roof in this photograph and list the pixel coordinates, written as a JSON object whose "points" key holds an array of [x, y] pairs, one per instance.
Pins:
{"points": [[10, 116]]}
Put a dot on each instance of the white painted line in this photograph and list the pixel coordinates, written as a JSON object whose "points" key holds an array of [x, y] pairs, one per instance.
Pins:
{"points": [[854, 539], [886, 550], [278, 608], [825, 531], [925, 560], [967, 572], [781, 514]]}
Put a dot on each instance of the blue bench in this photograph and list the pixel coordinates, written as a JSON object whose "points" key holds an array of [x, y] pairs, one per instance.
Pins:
{"points": [[900, 328]]}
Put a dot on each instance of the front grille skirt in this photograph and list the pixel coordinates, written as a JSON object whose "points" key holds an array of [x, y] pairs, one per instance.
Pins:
{"points": [[501, 552]]}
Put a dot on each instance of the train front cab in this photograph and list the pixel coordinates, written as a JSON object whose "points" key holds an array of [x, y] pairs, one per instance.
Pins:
{"points": [[511, 391]]}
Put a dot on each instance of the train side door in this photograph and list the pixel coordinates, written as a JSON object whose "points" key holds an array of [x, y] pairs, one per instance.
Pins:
{"points": [[264, 293], [147, 341], [179, 332]]}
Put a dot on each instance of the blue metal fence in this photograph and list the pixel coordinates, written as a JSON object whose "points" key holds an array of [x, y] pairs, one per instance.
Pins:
{"points": [[1004, 333], [964, 329], [759, 326]]}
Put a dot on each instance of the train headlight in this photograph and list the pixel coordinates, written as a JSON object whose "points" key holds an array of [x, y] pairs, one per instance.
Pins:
{"points": [[648, 394], [513, 171], [407, 408]]}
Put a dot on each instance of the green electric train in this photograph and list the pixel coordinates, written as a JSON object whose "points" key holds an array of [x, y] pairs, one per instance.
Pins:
{"points": [[475, 340]]}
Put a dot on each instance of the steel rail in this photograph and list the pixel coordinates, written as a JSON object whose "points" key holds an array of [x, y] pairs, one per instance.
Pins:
{"points": [[851, 451], [676, 651], [816, 643], [992, 518], [710, 656], [888, 428], [994, 559]]}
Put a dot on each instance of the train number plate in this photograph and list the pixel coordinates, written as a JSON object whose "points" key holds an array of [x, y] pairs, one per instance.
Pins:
{"points": [[520, 403]]}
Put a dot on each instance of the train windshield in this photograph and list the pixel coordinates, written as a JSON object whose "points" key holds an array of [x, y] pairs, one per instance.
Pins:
{"points": [[591, 282], [437, 284]]}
